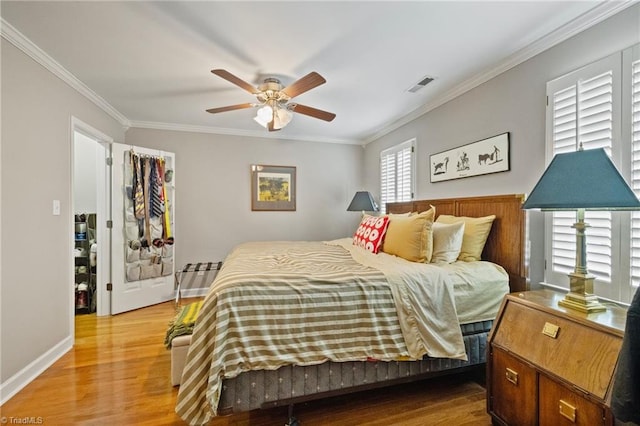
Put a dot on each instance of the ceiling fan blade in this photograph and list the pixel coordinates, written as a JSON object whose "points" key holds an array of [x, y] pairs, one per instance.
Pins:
{"points": [[230, 108], [235, 80], [314, 112], [308, 82]]}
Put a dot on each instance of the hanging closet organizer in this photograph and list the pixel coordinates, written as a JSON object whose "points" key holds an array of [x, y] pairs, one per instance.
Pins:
{"points": [[148, 235]]}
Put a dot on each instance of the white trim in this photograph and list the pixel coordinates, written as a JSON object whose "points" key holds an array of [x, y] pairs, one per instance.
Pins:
{"points": [[1, 240], [15, 37], [586, 20], [235, 132], [84, 128], [22, 378], [103, 211], [629, 119], [554, 286]]}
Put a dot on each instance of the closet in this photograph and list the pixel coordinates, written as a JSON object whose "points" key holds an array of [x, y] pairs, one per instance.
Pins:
{"points": [[85, 254], [85, 206]]}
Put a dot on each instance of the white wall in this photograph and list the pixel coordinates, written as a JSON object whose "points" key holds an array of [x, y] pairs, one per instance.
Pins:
{"points": [[84, 174], [36, 312], [213, 204], [511, 102]]}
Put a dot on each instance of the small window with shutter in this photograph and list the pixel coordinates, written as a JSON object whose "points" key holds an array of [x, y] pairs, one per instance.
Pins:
{"points": [[397, 169]]}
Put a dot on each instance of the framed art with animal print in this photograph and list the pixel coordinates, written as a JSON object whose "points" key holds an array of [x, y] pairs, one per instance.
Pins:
{"points": [[485, 156]]}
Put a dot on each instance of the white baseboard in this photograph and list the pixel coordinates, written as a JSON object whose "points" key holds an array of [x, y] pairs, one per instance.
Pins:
{"points": [[22, 378]]}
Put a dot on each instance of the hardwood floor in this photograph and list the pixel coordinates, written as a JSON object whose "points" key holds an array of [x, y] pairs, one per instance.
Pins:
{"points": [[118, 374]]}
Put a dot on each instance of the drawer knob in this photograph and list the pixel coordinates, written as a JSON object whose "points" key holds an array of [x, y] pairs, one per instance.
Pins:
{"points": [[512, 376], [568, 411]]}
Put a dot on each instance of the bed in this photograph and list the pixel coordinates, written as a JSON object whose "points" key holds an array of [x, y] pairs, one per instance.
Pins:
{"points": [[288, 322]]}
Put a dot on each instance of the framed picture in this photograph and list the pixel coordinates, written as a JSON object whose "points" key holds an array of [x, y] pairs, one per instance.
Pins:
{"points": [[273, 188], [485, 156]]}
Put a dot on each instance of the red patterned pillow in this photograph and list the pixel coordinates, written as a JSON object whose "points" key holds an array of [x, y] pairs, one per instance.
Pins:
{"points": [[370, 233]]}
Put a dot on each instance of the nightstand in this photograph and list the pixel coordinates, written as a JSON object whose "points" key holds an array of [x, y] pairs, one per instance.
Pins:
{"points": [[548, 365]]}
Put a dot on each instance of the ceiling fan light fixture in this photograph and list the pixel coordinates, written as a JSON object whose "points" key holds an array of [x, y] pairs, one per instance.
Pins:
{"points": [[281, 117], [264, 116], [275, 111]]}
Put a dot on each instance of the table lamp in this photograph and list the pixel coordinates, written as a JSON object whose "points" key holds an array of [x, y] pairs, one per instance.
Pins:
{"points": [[582, 180]]}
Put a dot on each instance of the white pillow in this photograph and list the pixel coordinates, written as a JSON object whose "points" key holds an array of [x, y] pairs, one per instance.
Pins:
{"points": [[476, 232], [447, 242]]}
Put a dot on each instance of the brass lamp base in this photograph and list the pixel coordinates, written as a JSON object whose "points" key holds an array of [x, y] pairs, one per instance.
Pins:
{"points": [[586, 303], [580, 296]]}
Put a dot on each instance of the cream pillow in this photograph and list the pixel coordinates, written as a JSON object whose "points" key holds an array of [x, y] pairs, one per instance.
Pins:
{"points": [[410, 237], [447, 242], [476, 232]]}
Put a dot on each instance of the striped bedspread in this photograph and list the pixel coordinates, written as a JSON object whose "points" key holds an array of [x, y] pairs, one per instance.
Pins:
{"points": [[303, 303]]}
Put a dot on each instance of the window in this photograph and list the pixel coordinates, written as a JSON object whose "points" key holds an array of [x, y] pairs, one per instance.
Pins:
{"points": [[592, 108], [633, 135], [397, 166]]}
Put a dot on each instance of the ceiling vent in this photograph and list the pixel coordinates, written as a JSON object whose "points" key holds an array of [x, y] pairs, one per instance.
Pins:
{"points": [[419, 85]]}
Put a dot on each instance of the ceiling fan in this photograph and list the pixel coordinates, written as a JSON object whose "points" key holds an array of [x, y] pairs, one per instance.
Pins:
{"points": [[276, 110]]}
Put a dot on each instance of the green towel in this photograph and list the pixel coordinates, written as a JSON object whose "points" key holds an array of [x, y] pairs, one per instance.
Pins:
{"points": [[183, 322]]}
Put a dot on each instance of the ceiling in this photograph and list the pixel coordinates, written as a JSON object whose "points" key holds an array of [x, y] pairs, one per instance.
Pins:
{"points": [[150, 62]]}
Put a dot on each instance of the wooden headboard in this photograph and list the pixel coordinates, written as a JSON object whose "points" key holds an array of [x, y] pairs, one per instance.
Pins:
{"points": [[506, 244]]}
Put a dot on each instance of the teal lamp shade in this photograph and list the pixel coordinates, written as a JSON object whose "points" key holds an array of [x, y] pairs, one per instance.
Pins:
{"points": [[363, 202], [584, 179]]}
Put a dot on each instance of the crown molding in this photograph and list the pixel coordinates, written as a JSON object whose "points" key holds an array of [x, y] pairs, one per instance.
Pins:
{"points": [[15, 37], [583, 22], [588, 19], [235, 132]]}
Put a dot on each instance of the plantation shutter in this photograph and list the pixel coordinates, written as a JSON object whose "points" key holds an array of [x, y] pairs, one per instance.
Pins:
{"points": [[598, 105], [581, 108], [635, 171], [387, 180], [396, 173]]}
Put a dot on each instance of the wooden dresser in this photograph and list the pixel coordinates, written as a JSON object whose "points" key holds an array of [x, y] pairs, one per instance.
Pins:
{"points": [[551, 366]]}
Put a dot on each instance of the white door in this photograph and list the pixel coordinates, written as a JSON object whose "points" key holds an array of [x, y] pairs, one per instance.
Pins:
{"points": [[130, 288]]}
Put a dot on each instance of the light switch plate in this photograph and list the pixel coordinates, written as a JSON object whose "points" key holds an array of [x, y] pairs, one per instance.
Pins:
{"points": [[56, 207]]}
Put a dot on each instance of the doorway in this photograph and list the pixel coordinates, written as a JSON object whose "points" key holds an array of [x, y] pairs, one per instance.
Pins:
{"points": [[99, 205], [90, 213]]}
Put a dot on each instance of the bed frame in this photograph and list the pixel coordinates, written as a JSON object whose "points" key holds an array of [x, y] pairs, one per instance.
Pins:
{"points": [[294, 384], [506, 244]]}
